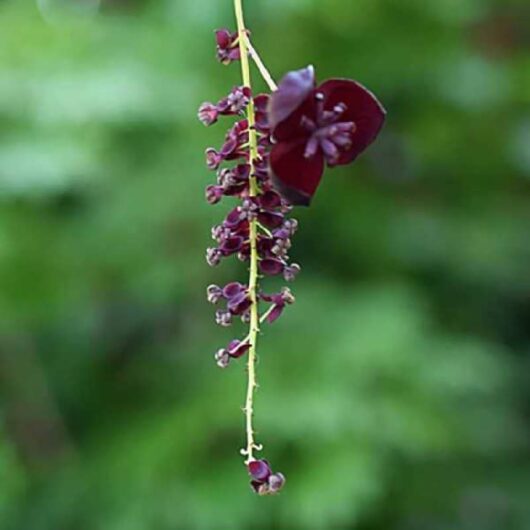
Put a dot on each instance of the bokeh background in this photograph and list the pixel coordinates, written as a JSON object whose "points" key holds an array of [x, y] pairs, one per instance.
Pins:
{"points": [[394, 394]]}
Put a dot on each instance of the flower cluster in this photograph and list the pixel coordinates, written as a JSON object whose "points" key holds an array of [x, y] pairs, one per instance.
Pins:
{"points": [[272, 158], [264, 481], [256, 230]]}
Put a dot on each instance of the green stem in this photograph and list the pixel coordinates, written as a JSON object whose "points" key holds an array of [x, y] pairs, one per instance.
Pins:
{"points": [[261, 66], [253, 279]]}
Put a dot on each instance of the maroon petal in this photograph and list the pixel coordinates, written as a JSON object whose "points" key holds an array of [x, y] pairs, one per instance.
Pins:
{"points": [[275, 313], [271, 266], [362, 108], [239, 304], [291, 93], [295, 176], [231, 245], [271, 219], [269, 200], [276, 482], [223, 37], [259, 470], [237, 348], [233, 289]]}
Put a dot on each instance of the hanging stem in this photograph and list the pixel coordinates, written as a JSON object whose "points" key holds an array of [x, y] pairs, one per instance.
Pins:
{"points": [[253, 279], [261, 66]]}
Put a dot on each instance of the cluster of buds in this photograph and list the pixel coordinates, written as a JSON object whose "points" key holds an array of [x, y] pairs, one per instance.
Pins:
{"points": [[227, 46], [256, 228], [273, 158], [263, 480]]}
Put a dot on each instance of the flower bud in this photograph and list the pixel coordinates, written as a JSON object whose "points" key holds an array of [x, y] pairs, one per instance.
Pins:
{"points": [[213, 257], [208, 113], [214, 293], [290, 272], [222, 358], [223, 318]]}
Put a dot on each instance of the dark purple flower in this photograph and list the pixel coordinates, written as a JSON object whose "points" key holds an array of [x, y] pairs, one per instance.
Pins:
{"points": [[227, 47], [214, 194], [276, 482], [233, 289], [222, 358], [237, 348], [291, 272], [214, 293], [208, 113], [235, 103], [259, 470], [223, 318], [213, 158], [313, 126], [213, 256], [263, 480], [261, 103], [279, 300]]}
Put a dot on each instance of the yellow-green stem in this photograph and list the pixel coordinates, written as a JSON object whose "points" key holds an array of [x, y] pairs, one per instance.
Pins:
{"points": [[253, 279]]}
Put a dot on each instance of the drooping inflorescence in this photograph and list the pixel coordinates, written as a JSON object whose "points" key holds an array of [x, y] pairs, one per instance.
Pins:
{"points": [[272, 158]]}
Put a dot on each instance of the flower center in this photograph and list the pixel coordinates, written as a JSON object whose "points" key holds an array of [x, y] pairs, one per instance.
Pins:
{"points": [[328, 132]]}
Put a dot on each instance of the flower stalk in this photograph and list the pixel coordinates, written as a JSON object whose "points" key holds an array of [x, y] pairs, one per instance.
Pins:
{"points": [[253, 236], [272, 158]]}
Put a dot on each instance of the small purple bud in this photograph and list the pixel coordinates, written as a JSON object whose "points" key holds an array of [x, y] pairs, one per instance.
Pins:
{"points": [[224, 38], [259, 470], [290, 272], [213, 256], [291, 225], [217, 232], [213, 158], [276, 482], [214, 194], [214, 293], [237, 348], [208, 113], [223, 318], [238, 99], [287, 296], [222, 358]]}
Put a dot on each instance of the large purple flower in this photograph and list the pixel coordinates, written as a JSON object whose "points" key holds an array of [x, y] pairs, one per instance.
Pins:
{"points": [[313, 126]]}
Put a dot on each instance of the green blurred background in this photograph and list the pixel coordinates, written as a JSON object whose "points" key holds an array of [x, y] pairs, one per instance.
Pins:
{"points": [[394, 394]]}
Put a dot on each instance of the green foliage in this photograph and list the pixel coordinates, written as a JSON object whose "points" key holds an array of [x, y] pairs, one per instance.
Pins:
{"points": [[392, 394]]}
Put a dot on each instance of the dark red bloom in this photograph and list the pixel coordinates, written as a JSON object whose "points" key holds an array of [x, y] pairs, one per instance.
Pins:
{"points": [[227, 46], [313, 126], [263, 480]]}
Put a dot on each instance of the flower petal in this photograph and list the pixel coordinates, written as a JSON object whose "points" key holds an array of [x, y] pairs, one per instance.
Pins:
{"points": [[295, 177], [271, 266], [291, 93], [362, 108], [259, 470]]}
